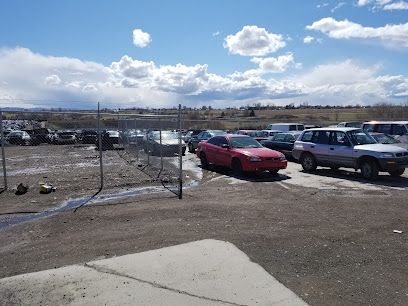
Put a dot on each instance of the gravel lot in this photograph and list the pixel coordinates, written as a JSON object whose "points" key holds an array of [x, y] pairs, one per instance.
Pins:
{"points": [[328, 236]]}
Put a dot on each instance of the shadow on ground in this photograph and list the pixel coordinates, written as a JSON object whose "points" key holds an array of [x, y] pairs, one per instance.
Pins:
{"points": [[264, 176], [383, 179]]}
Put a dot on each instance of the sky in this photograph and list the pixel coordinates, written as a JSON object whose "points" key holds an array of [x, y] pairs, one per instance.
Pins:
{"points": [[222, 53]]}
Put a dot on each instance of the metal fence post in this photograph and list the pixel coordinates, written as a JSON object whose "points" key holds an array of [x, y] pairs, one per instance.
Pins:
{"points": [[100, 147], [180, 193], [3, 154], [161, 147]]}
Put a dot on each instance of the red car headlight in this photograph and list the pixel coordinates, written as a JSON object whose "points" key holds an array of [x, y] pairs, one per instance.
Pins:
{"points": [[254, 159]]}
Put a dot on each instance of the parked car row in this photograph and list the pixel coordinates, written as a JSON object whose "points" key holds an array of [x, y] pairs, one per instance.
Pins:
{"points": [[39, 136], [363, 149]]}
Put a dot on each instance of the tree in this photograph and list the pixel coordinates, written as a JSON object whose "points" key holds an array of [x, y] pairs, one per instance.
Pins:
{"points": [[252, 113]]}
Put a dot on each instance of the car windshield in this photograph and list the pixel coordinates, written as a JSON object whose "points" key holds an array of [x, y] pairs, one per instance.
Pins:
{"points": [[217, 132], [256, 134], [385, 139], [244, 142], [165, 135], [360, 137]]}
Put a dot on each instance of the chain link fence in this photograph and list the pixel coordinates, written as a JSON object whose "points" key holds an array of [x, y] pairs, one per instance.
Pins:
{"points": [[81, 153], [155, 146]]}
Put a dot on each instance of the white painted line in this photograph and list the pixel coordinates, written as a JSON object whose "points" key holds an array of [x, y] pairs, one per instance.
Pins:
{"points": [[283, 185]]}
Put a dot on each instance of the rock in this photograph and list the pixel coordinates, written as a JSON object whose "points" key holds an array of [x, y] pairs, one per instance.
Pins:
{"points": [[21, 189]]}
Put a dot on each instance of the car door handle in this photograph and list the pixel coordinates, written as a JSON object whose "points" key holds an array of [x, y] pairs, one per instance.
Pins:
{"points": [[312, 146], [332, 149]]}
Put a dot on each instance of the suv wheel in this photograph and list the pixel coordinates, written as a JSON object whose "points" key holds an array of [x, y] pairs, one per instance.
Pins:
{"points": [[369, 169], [397, 173], [308, 162], [190, 148]]}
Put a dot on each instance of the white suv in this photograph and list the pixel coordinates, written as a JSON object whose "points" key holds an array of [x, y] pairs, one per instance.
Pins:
{"points": [[350, 148], [398, 129]]}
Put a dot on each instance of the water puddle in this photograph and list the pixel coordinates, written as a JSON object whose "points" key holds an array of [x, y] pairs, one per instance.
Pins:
{"points": [[10, 220]]}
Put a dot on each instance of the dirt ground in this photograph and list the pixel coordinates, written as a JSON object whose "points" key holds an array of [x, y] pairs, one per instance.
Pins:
{"points": [[328, 236]]}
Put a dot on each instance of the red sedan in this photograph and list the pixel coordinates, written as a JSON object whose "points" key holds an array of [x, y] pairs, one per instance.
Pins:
{"points": [[240, 153]]}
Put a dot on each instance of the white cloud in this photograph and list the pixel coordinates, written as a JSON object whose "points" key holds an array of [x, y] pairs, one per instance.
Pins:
{"points": [[338, 6], [308, 39], [216, 34], [387, 5], [401, 5], [52, 80], [322, 5], [363, 2], [141, 39], [391, 35], [274, 65], [253, 41], [25, 75]]}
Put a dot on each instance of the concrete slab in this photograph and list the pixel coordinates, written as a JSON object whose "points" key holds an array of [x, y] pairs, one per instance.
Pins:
{"points": [[207, 272]]}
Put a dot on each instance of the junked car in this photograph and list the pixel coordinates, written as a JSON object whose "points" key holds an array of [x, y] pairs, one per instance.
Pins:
{"points": [[19, 138], [64, 137], [255, 134], [349, 148], [165, 143], [282, 142], [241, 153]]}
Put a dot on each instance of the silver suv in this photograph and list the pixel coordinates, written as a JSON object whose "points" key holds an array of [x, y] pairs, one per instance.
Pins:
{"points": [[349, 148]]}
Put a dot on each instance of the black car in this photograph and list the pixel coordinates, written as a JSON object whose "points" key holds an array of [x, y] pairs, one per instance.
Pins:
{"points": [[42, 135], [204, 135], [282, 142], [190, 134], [109, 140], [88, 136], [21, 138]]}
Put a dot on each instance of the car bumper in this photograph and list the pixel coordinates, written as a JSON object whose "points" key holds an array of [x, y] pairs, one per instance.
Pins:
{"points": [[264, 165], [389, 164]]}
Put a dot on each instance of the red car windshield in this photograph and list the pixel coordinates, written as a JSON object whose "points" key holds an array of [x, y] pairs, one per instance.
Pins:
{"points": [[244, 142]]}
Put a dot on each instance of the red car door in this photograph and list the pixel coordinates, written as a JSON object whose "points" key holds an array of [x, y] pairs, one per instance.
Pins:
{"points": [[211, 150], [224, 153]]}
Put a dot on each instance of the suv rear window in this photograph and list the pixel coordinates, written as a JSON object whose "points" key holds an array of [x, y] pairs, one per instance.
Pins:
{"points": [[292, 127], [307, 136]]}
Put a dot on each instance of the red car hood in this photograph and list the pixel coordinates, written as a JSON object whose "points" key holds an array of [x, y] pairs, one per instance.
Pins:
{"points": [[260, 152]]}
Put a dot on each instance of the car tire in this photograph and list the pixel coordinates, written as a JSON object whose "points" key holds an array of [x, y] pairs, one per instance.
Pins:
{"points": [[236, 167], [397, 173], [274, 172], [369, 169], [308, 162], [204, 161], [190, 148]]}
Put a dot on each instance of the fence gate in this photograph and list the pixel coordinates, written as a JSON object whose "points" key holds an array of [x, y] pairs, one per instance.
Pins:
{"points": [[153, 146]]}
